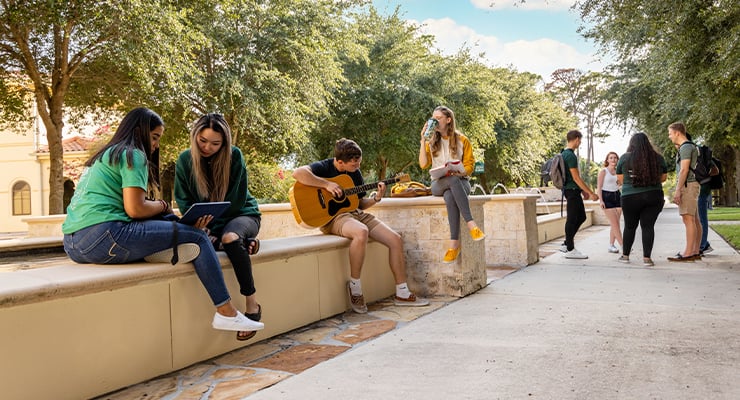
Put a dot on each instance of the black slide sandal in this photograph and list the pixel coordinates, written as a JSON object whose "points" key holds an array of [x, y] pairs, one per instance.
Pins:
{"points": [[248, 243]]}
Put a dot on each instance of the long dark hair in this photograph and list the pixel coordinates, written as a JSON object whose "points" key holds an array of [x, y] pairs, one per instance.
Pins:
{"points": [[644, 164], [133, 133], [215, 186]]}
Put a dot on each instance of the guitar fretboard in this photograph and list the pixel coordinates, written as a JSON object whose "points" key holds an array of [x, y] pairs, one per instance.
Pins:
{"points": [[368, 186]]}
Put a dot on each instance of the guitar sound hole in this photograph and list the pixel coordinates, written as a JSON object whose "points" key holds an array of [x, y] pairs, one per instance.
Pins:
{"points": [[322, 202]]}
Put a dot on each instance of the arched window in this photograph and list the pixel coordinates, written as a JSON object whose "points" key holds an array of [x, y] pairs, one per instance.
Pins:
{"points": [[21, 198]]}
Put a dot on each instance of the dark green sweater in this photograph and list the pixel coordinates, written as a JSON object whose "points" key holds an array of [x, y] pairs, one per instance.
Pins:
{"points": [[242, 203]]}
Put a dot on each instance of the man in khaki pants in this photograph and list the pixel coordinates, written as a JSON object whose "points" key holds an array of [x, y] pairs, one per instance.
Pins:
{"points": [[686, 195]]}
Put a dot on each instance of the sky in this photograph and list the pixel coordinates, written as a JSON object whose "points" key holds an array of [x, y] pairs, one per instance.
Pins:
{"points": [[539, 36]]}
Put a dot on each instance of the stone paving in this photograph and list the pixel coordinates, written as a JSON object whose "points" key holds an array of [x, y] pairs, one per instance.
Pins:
{"points": [[238, 374]]}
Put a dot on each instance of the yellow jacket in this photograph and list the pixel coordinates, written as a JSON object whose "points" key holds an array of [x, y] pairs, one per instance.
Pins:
{"points": [[464, 154]]}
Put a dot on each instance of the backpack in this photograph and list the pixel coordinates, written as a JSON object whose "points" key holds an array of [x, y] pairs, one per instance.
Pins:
{"points": [[718, 180], [703, 163], [554, 170]]}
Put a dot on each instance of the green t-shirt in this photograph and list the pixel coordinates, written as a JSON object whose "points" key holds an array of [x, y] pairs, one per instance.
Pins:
{"points": [[571, 161], [99, 194], [624, 170], [687, 150]]}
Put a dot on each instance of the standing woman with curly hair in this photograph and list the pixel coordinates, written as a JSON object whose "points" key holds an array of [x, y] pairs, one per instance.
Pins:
{"points": [[641, 172]]}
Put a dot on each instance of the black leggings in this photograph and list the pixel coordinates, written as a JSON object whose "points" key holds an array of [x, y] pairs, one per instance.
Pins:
{"points": [[643, 209], [245, 227]]}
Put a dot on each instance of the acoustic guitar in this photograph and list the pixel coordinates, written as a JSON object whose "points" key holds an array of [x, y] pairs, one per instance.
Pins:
{"points": [[314, 207]]}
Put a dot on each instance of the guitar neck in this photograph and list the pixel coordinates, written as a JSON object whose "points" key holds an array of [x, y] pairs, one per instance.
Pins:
{"points": [[368, 186]]}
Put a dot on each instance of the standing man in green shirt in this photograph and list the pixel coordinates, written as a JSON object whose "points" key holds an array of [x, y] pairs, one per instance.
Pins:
{"points": [[686, 195], [573, 188]]}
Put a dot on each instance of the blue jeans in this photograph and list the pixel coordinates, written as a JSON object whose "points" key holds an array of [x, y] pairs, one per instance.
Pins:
{"points": [[121, 242], [705, 201]]}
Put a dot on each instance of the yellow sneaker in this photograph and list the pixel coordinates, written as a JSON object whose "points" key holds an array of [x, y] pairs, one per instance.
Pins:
{"points": [[451, 255], [477, 234]]}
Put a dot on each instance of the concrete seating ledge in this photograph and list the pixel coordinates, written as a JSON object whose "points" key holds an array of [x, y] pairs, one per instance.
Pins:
{"points": [[69, 278], [86, 330]]}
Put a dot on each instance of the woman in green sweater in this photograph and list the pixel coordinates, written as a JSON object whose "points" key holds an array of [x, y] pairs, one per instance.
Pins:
{"points": [[214, 170]]}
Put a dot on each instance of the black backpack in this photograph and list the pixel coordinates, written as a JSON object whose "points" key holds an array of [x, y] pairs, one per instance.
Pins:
{"points": [[703, 163]]}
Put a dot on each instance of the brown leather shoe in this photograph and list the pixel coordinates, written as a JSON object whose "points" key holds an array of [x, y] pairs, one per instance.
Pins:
{"points": [[681, 258], [357, 302]]}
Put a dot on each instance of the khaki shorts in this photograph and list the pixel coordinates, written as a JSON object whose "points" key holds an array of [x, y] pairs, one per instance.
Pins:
{"points": [[689, 199], [335, 226]]}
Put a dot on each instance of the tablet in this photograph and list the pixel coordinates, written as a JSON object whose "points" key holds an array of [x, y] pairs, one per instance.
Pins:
{"points": [[198, 210]]}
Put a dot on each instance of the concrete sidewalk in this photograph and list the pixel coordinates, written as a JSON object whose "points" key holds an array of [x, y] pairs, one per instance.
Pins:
{"points": [[560, 329]]}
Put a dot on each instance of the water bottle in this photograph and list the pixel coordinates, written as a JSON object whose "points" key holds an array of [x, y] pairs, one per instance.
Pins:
{"points": [[431, 124]]}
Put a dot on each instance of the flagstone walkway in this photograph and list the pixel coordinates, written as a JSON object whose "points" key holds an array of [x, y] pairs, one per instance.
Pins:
{"points": [[238, 374]]}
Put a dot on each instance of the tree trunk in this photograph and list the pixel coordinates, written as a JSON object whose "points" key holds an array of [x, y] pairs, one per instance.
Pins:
{"points": [[56, 168], [732, 177], [50, 109], [728, 195]]}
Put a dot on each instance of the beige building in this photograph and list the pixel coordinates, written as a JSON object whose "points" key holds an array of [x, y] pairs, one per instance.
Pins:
{"points": [[24, 174]]}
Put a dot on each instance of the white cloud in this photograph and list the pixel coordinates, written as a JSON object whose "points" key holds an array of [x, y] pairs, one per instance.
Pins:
{"points": [[541, 56], [523, 5]]}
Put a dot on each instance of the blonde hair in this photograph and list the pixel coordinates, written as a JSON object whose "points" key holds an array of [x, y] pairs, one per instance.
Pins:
{"points": [[213, 187]]}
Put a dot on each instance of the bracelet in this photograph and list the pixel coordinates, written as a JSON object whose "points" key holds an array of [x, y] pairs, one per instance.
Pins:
{"points": [[377, 200], [164, 205]]}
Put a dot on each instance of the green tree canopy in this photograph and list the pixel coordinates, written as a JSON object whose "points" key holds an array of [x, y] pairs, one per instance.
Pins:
{"points": [[53, 52], [676, 61], [532, 130]]}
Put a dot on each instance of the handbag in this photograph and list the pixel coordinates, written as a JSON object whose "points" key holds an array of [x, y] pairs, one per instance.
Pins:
{"points": [[410, 189]]}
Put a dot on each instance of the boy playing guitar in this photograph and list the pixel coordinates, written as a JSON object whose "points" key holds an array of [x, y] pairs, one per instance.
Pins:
{"points": [[357, 225]]}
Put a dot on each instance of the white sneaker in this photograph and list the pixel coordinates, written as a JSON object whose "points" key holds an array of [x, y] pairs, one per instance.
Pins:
{"points": [[186, 253], [575, 254], [237, 323], [563, 248], [613, 249]]}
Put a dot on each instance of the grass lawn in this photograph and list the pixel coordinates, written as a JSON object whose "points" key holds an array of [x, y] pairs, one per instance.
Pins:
{"points": [[724, 214], [731, 233]]}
